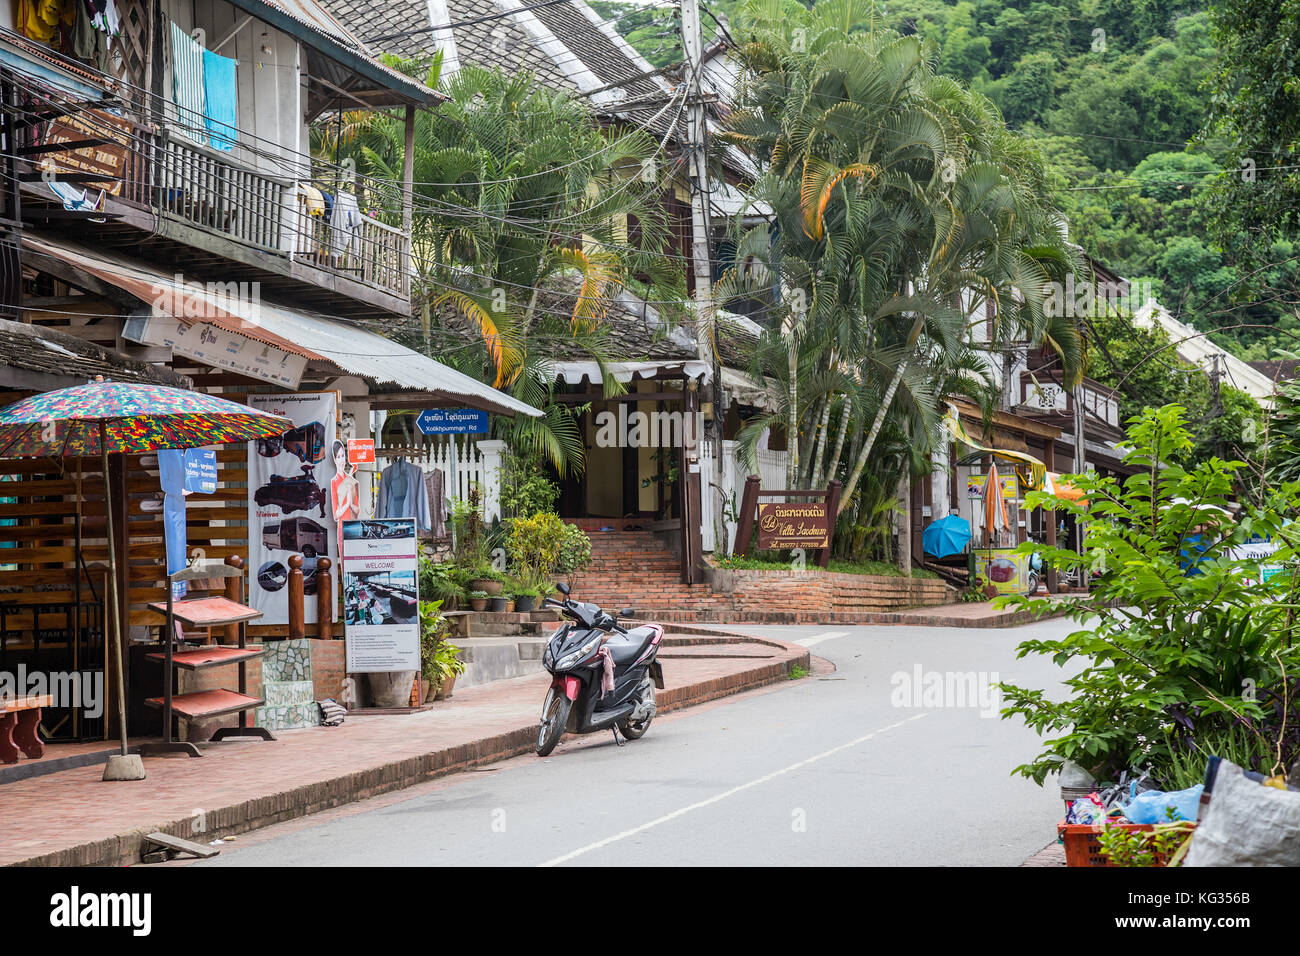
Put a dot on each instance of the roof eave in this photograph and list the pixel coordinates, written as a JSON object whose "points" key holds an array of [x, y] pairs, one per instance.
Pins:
{"points": [[404, 90]]}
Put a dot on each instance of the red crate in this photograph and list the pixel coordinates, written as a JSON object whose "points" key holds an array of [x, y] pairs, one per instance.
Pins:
{"points": [[1081, 846]]}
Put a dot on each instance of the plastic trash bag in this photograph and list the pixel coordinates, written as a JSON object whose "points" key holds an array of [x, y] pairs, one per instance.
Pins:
{"points": [[1074, 776], [1086, 810], [1151, 806], [1245, 823]]}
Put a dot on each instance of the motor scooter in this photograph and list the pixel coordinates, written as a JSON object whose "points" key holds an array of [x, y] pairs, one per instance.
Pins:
{"points": [[585, 651]]}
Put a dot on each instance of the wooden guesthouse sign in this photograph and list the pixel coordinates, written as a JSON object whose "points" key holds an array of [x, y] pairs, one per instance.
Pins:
{"points": [[788, 524]]}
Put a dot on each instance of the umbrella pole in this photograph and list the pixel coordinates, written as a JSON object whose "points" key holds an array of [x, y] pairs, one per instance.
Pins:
{"points": [[122, 766]]}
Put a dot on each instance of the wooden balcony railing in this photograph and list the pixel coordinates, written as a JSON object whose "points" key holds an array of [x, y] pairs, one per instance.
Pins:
{"points": [[272, 213]]}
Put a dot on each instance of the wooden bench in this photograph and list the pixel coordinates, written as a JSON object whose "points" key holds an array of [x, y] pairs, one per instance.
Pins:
{"points": [[19, 718]]}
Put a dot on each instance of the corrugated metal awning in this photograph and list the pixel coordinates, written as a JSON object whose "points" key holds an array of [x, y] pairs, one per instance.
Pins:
{"points": [[350, 348]]}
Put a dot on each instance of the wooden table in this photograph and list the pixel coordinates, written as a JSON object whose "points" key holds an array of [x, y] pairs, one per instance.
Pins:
{"points": [[19, 719]]}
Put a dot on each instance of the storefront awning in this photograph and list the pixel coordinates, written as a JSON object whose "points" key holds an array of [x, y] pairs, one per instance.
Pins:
{"points": [[1037, 470], [295, 335], [574, 372]]}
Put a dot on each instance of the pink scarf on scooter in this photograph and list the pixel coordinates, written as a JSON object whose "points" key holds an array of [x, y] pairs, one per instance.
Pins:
{"points": [[607, 671]]}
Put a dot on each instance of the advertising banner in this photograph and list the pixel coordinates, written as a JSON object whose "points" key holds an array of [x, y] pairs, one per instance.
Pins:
{"points": [[381, 602], [289, 480], [1004, 569]]}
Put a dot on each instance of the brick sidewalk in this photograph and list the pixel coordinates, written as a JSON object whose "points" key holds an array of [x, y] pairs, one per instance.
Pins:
{"points": [[73, 818]]}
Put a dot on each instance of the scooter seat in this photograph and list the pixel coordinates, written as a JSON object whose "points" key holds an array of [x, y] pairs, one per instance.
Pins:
{"points": [[626, 648]]}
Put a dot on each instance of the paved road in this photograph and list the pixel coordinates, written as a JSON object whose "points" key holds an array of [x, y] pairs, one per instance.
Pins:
{"points": [[823, 770]]}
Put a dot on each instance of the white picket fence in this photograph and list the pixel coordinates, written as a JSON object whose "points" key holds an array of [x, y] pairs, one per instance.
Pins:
{"points": [[771, 473], [464, 463]]}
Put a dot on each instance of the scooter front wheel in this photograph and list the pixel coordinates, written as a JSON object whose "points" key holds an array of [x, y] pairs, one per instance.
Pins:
{"points": [[555, 717]]}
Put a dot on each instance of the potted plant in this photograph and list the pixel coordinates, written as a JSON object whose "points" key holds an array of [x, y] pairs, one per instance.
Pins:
{"points": [[439, 581], [487, 580], [449, 666], [433, 629], [478, 600], [510, 601], [496, 602], [526, 599]]}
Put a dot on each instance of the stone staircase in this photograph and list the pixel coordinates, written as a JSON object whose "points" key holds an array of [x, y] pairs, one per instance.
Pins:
{"points": [[636, 569], [287, 687]]}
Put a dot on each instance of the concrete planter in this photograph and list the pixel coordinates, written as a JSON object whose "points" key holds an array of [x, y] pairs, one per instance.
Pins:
{"points": [[391, 688]]}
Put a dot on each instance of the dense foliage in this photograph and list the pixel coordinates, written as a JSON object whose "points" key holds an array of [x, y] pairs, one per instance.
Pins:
{"points": [[1186, 647], [1114, 91]]}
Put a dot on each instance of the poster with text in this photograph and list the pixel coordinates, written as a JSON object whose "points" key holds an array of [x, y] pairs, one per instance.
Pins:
{"points": [[290, 511], [381, 601]]}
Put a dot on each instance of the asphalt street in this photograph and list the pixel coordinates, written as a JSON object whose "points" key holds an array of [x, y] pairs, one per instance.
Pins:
{"points": [[845, 766]]}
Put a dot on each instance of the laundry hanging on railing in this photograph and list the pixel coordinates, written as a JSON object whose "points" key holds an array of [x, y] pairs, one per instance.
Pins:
{"points": [[345, 224], [402, 494], [220, 99], [46, 20], [310, 212], [103, 17], [187, 85], [89, 42]]}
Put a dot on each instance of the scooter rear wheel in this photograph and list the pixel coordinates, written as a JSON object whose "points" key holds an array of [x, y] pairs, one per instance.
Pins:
{"points": [[555, 717], [635, 730]]}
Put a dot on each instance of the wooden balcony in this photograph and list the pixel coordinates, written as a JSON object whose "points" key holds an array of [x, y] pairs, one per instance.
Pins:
{"points": [[211, 217]]}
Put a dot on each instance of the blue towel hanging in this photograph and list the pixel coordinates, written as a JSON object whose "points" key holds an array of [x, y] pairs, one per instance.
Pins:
{"points": [[221, 99]]}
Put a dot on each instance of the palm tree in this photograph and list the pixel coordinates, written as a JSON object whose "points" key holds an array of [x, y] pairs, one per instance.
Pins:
{"points": [[902, 205], [519, 191]]}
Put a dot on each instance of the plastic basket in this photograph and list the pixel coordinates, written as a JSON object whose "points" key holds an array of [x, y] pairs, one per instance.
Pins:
{"points": [[1082, 847]]}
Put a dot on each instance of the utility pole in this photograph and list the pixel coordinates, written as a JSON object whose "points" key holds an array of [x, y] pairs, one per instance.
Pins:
{"points": [[1216, 402], [697, 156], [1080, 466], [696, 146]]}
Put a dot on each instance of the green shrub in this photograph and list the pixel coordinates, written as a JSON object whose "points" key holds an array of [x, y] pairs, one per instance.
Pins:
{"points": [[1180, 640]]}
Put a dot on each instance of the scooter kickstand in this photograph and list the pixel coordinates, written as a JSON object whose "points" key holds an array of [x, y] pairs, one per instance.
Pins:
{"points": [[616, 740]]}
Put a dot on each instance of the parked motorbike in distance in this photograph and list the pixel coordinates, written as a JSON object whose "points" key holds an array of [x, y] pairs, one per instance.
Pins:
{"points": [[575, 658]]}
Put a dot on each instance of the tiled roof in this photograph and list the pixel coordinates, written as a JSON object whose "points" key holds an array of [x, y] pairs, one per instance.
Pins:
{"points": [[562, 44], [34, 348]]}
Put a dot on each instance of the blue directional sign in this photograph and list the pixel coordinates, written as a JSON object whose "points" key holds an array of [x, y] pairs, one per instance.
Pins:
{"points": [[452, 421], [200, 470]]}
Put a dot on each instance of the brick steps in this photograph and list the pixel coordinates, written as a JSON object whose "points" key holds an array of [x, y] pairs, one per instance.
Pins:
{"points": [[635, 569]]}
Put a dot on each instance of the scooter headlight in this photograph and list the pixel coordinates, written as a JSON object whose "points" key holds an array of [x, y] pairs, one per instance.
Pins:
{"points": [[569, 660]]}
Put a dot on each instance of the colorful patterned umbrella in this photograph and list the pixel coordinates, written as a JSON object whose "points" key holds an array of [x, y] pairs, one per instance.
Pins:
{"points": [[133, 419], [104, 418]]}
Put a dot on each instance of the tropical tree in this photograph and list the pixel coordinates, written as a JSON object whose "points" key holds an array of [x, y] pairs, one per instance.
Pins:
{"points": [[902, 208], [529, 217]]}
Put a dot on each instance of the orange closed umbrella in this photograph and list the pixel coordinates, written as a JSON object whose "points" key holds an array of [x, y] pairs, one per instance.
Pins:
{"points": [[995, 507]]}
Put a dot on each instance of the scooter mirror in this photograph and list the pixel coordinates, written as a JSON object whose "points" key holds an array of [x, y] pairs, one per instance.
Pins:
{"points": [[563, 589], [627, 612]]}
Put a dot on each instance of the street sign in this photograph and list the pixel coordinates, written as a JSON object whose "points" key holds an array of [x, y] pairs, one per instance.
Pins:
{"points": [[200, 470], [452, 421]]}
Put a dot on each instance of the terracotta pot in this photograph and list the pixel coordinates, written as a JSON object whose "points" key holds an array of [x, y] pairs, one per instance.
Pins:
{"points": [[478, 604], [486, 585], [444, 691], [426, 691], [510, 607]]}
